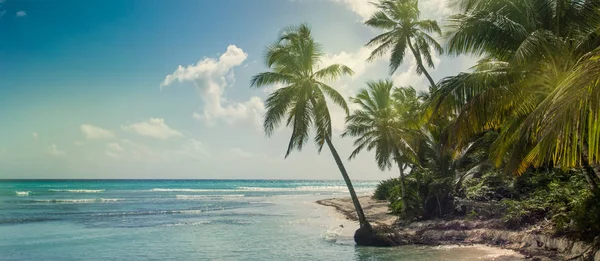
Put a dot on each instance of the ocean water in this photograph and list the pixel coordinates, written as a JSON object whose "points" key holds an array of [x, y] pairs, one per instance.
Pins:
{"points": [[190, 220]]}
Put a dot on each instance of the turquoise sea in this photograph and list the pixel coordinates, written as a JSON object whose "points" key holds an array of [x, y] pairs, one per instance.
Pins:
{"points": [[189, 220]]}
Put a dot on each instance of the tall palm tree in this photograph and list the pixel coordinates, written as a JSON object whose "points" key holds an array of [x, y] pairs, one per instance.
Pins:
{"points": [[538, 82], [378, 125], [293, 62], [403, 29]]}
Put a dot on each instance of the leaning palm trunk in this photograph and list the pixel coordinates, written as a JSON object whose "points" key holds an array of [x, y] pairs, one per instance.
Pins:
{"points": [[359, 211], [366, 235], [420, 63], [292, 61]]}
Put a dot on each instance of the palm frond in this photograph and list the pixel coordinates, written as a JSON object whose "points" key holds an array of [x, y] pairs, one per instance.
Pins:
{"points": [[381, 20], [277, 105], [270, 78], [335, 96], [333, 72]]}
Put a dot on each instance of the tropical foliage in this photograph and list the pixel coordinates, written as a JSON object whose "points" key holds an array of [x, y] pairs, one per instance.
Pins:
{"points": [[519, 131], [531, 104], [404, 30], [538, 82], [377, 125]]}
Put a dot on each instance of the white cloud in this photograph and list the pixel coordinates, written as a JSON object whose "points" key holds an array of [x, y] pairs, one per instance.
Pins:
{"points": [[211, 77], [114, 150], [357, 61], [435, 9], [196, 116], [249, 111], [272, 88], [154, 128], [78, 143], [193, 149], [125, 148], [35, 135], [112, 154], [190, 149], [95, 133], [430, 9], [208, 67], [115, 146], [54, 151], [241, 153], [135, 150], [363, 8], [21, 14]]}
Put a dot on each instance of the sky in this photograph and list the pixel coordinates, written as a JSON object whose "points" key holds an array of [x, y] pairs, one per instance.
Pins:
{"points": [[160, 89]]}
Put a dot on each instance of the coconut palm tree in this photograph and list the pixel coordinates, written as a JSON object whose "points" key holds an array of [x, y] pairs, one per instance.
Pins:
{"points": [[293, 62], [380, 124], [538, 82], [403, 29]]}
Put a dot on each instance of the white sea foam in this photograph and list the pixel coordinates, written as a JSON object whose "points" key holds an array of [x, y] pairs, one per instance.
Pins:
{"points": [[272, 189], [83, 200], [78, 190], [186, 190], [203, 222], [22, 193], [333, 233], [110, 199], [301, 188], [205, 197], [481, 252], [142, 213], [194, 211]]}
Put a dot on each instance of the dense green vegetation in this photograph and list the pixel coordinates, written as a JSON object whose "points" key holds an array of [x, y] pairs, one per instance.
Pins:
{"points": [[518, 134]]}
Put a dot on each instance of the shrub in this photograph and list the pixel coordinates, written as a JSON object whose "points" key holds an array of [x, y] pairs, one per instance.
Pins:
{"points": [[560, 197], [493, 185], [586, 216], [426, 196], [384, 189], [414, 201]]}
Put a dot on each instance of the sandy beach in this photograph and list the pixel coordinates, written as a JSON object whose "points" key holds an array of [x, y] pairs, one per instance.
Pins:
{"points": [[526, 245]]}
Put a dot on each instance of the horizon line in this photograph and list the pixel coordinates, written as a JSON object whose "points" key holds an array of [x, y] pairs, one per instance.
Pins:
{"points": [[159, 179]]}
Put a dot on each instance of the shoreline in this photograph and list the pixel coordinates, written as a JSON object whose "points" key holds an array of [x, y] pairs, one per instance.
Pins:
{"points": [[530, 244]]}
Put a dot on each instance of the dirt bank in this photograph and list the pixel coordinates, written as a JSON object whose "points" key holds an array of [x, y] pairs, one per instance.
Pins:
{"points": [[532, 244]]}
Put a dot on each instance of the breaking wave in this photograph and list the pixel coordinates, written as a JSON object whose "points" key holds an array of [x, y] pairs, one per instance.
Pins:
{"points": [[22, 193], [78, 190], [263, 189], [145, 213], [84, 200], [187, 190], [25, 220], [208, 197]]}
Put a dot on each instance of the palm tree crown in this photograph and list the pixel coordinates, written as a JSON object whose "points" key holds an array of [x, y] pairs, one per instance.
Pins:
{"points": [[403, 29], [293, 61], [385, 125], [378, 124]]}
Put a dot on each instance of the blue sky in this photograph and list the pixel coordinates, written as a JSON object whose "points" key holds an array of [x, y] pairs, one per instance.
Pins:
{"points": [[84, 90]]}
